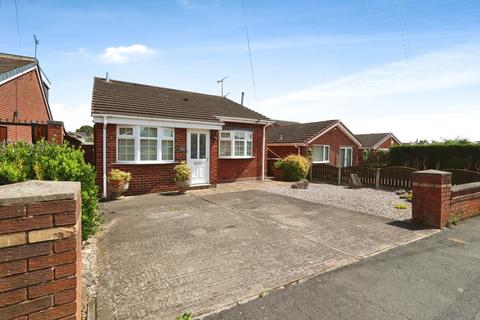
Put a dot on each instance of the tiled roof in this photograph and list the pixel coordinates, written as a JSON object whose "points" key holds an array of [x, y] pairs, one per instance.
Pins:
{"points": [[285, 122], [11, 65], [298, 133], [131, 99], [369, 140]]}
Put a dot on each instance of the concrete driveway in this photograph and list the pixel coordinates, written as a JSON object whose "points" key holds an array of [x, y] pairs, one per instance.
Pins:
{"points": [[163, 255]]}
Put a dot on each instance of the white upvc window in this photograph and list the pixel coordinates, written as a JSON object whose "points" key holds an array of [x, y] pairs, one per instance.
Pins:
{"points": [[320, 153], [145, 144], [346, 156], [236, 144]]}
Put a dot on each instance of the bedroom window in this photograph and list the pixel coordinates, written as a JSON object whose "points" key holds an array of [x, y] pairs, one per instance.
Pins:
{"points": [[138, 144], [321, 153], [236, 144]]}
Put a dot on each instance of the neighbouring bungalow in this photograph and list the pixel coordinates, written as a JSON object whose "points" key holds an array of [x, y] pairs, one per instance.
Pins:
{"points": [[377, 141], [147, 130], [24, 109], [329, 142]]}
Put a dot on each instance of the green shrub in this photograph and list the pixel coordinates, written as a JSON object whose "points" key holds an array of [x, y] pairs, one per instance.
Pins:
{"points": [[294, 167], [182, 172], [401, 206], [46, 161], [438, 155]]}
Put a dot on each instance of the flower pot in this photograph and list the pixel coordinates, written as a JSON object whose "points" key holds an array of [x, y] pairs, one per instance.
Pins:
{"points": [[183, 185], [116, 188]]}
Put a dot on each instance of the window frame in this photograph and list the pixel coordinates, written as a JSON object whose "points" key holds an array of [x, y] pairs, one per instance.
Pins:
{"points": [[324, 146], [248, 137], [137, 145], [351, 157]]}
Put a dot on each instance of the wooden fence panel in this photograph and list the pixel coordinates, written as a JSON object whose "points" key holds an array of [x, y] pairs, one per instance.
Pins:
{"points": [[461, 176], [324, 172], [396, 177]]}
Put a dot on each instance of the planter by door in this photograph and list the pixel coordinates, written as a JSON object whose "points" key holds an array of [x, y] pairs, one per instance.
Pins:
{"points": [[198, 156]]}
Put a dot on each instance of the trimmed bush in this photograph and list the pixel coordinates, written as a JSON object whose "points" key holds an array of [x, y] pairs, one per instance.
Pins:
{"points": [[45, 161], [294, 167], [450, 155]]}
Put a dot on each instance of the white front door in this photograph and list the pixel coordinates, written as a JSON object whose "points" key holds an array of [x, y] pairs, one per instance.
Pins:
{"points": [[198, 145]]}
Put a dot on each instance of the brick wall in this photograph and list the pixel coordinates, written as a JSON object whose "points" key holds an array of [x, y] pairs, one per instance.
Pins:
{"points": [[435, 201], [388, 143], [229, 170], [146, 178], [23, 94], [40, 250], [335, 138], [55, 131]]}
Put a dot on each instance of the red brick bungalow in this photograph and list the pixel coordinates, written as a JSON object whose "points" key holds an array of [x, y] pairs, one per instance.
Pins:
{"points": [[377, 141], [24, 110], [328, 141], [147, 130]]}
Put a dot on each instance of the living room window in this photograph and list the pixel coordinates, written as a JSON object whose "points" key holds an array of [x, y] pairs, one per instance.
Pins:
{"points": [[137, 144], [236, 144], [320, 153]]}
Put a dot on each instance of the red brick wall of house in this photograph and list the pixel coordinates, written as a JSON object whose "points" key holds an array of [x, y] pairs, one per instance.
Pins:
{"points": [[146, 178], [388, 143], [335, 138], [23, 94], [229, 170], [40, 255]]}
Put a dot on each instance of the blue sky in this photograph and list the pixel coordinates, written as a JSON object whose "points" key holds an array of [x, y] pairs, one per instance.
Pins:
{"points": [[411, 67]]}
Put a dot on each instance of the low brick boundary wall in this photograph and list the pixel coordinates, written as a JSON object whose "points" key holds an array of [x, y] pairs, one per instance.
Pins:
{"points": [[436, 201], [40, 250]]}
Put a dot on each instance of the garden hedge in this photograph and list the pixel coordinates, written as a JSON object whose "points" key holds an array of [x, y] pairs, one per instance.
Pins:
{"points": [[294, 167], [47, 161], [453, 155]]}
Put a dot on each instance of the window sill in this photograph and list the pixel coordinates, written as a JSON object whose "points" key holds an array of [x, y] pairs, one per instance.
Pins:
{"points": [[144, 162], [236, 158], [320, 161]]}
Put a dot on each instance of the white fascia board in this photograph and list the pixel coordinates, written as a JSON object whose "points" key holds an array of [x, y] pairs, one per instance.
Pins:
{"points": [[17, 75], [342, 128], [140, 121], [244, 120], [391, 135]]}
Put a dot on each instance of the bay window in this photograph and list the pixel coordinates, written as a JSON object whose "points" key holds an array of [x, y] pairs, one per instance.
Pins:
{"points": [[138, 144], [236, 144], [320, 153]]}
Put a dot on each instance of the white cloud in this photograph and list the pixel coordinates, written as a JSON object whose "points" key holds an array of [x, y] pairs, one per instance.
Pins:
{"points": [[73, 118], [122, 54], [432, 87]]}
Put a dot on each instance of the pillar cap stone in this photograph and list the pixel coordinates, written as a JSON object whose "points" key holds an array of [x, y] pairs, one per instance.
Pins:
{"points": [[433, 172], [36, 190]]}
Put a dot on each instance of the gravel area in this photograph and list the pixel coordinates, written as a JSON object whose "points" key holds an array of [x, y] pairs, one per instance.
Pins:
{"points": [[89, 275], [372, 201]]}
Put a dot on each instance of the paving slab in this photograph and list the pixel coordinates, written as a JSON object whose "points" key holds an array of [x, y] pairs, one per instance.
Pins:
{"points": [[160, 256]]}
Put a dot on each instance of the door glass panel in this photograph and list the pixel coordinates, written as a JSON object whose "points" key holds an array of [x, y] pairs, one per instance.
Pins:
{"points": [[203, 146], [349, 157], [193, 146], [342, 157]]}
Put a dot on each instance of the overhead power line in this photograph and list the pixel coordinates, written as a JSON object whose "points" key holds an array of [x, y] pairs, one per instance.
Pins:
{"points": [[249, 52]]}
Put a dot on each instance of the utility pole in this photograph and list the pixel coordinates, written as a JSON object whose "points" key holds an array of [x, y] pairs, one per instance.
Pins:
{"points": [[221, 83]]}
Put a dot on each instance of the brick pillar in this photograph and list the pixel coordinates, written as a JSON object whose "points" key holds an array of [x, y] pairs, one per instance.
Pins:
{"points": [[431, 197], [55, 131], [40, 250]]}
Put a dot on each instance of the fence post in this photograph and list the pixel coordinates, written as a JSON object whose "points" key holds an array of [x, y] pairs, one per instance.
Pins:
{"points": [[377, 178], [339, 175], [311, 169]]}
